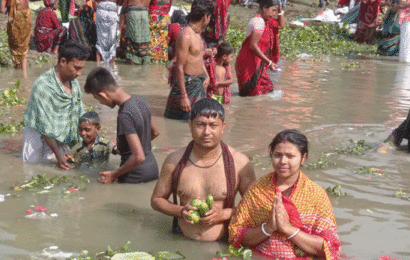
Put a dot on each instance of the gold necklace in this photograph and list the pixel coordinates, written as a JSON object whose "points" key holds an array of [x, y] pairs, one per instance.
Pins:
{"points": [[205, 167], [197, 31]]}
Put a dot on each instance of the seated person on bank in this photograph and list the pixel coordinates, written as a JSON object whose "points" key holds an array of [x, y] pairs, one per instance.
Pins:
{"points": [[94, 150], [49, 34], [135, 129]]}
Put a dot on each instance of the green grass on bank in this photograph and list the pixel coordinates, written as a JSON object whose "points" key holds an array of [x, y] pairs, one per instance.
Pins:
{"points": [[314, 39]]}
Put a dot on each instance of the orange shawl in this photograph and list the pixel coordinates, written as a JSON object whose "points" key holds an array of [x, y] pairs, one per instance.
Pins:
{"points": [[308, 207]]}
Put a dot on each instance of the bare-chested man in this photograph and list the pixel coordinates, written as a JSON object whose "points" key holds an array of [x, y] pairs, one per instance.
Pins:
{"points": [[206, 166], [107, 26], [191, 77], [134, 16], [19, 31]]}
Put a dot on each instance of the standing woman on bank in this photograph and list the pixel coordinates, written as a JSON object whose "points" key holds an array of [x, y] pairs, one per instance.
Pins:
{"points": [[260, 50]]}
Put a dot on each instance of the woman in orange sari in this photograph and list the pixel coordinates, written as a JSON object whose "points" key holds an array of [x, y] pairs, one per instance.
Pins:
{"points": [[18, 30], [260, 50], [284, 214]]}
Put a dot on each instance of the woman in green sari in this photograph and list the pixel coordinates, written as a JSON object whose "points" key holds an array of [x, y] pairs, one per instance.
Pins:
{"points": [[389, 45]]}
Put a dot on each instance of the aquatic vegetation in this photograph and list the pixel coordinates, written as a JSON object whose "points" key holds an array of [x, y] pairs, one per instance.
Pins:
{"points": [[88, 108], [42, 59], [235, 37], [336, 191], [316, 39], [243, 252], [12, 96], [4, 48], [126, 253], [357, 148], [321, 164], [350, 65], [401, 194], [11, 128], [321, 39], [42, 184], [371, 171]]}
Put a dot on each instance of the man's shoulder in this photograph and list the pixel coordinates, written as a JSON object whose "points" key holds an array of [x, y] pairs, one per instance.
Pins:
{"points": [[239, 158], [43, 80], [174, 157]]}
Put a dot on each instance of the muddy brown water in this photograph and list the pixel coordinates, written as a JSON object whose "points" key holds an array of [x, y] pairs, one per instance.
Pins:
{"points": [[330, 105]]}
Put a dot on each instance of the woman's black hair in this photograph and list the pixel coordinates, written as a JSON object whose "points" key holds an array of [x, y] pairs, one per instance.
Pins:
{"points": [[207, 107], [267, 3], [178, 16], [225, 48], [199, 9], [292, 136]]}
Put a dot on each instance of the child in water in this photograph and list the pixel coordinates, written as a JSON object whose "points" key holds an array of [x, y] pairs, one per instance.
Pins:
{"points": [[222, 90], [93, 150]]}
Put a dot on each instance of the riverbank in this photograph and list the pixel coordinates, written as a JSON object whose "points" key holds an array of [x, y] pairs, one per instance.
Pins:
{"points": [[316, 39]]}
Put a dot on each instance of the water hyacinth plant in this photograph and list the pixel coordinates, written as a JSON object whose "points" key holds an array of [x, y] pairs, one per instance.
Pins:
{"points": [[42, 184], [12, 127], [12, 96], [336, 191], [125, 252], [315, 39]]}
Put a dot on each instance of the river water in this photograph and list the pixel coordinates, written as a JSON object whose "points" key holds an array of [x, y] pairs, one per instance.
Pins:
{"points": [[330, 105]]}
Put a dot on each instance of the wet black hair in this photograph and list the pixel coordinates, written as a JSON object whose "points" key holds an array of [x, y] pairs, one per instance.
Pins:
{"points": [[292, 136], [90, 118], [267, 3], [225, 48], [100, 79], [207, 107], [179, 17], [199, 9], [73, 50]]}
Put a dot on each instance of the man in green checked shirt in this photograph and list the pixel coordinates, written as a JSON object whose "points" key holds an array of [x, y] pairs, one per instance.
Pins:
{"points": [[54, 108]]}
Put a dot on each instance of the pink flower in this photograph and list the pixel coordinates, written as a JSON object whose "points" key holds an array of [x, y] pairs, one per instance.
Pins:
{"points": [[29, 211], [379, 170], [386, 258], [40, 208], [166, 149], [154, 18], [72, 190]]}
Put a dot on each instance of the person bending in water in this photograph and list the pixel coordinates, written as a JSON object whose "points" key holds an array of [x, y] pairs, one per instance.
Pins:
{"points": [[54, 108], [94, 150], [135, 129], [191, 76], [401, 132], [206, 166]]}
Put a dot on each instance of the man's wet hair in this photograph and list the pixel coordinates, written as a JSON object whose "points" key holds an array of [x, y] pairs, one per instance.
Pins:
{"points": [[225, 48], [207, 107], [73, 50], [90, 118], [100, 79], [199, 9], [267, 3], [292, 136]]}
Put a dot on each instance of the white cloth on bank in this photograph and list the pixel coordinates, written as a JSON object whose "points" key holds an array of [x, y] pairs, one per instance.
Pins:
{"points": [[404, 54]]}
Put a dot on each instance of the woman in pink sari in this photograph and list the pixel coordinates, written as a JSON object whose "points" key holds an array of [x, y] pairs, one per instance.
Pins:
{"points": [[260, 50]]}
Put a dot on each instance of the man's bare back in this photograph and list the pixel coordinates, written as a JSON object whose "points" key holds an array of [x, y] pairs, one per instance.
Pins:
{"points": [[190, 45], [142, 3]]}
